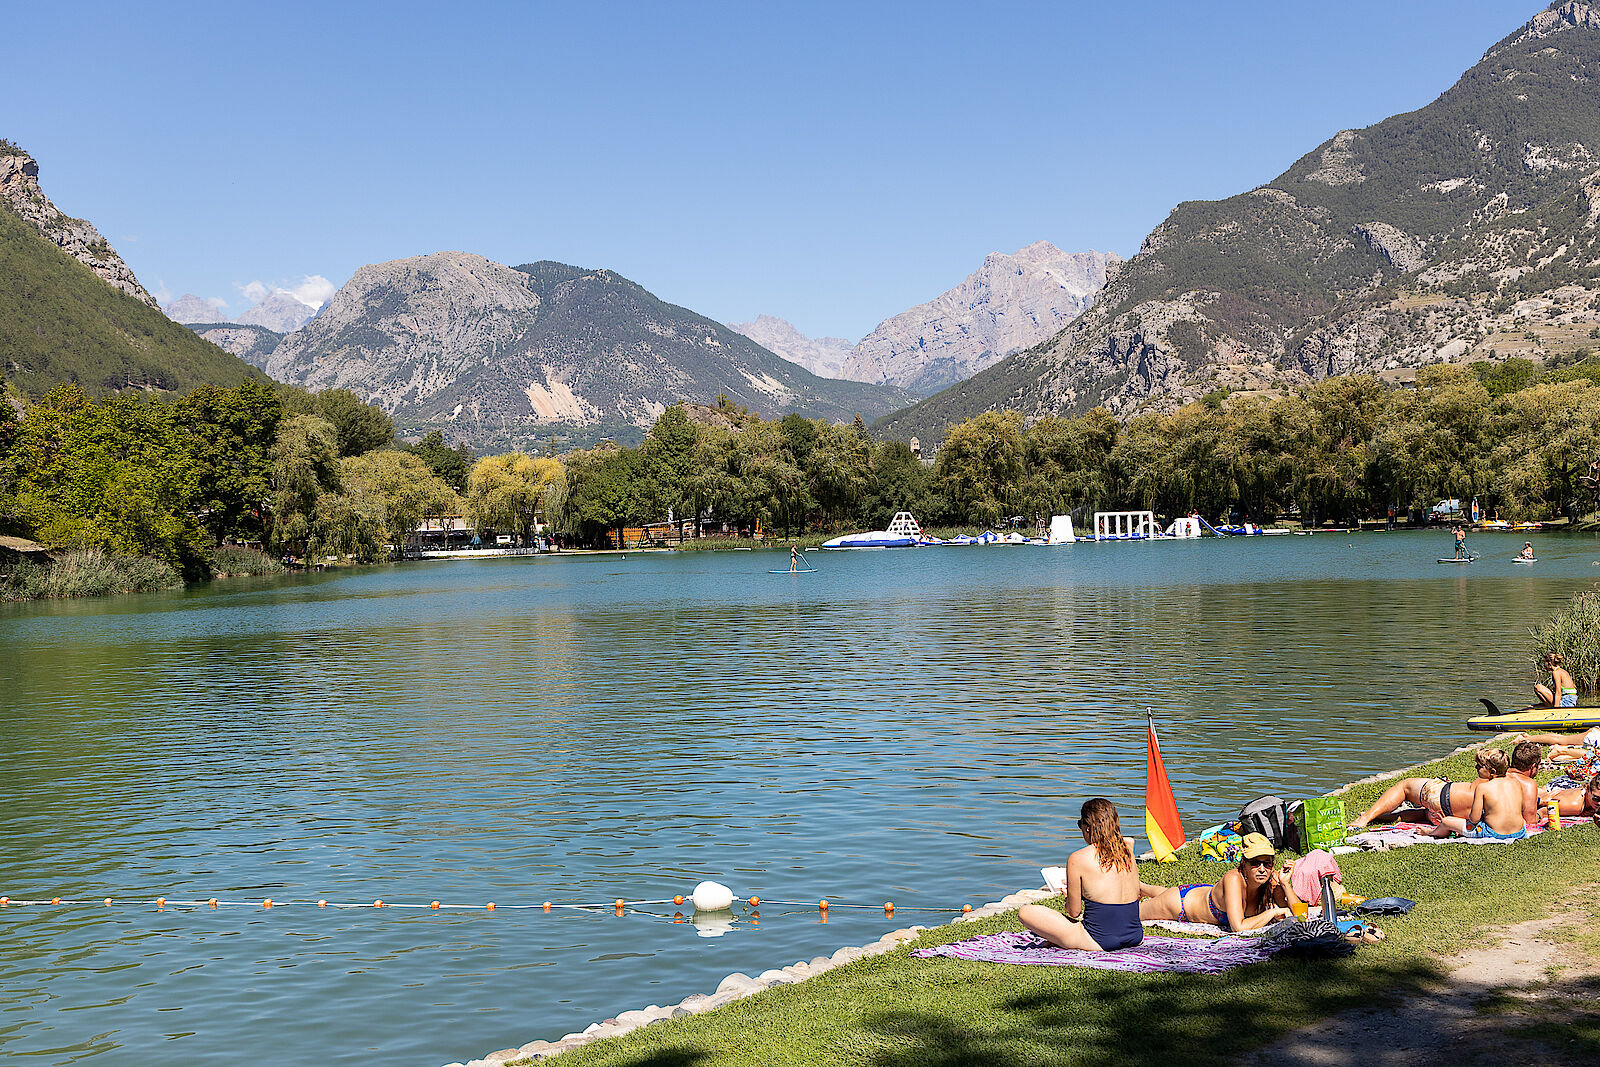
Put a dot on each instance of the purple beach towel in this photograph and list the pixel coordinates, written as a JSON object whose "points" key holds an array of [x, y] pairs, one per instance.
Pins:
{"points": [[1179, 955]]}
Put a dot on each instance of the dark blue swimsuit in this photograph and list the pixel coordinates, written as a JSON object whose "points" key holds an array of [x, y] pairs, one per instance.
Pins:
{"points": [[1112, 926]]}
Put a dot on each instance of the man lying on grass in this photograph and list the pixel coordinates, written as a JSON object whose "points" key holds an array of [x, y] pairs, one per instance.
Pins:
{"points": [[1577, 802]]}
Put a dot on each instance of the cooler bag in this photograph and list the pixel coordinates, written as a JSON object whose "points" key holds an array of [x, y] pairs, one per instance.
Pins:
{"points": [[1267, 816]]}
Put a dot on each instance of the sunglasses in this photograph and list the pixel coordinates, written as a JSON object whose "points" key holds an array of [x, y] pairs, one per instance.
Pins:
{"points": [[1261, 861]]}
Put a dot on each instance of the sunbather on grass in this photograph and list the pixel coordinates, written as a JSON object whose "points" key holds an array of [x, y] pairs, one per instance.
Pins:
{"points": [[1102, 889], [1501, 809], [1438, 797], [1574, 803], [1252, 895]]}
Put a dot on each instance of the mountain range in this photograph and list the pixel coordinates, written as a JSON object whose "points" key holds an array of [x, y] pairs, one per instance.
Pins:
{"points": [[1010, 303], [1464, 230], [511, 356], [279, 311]]}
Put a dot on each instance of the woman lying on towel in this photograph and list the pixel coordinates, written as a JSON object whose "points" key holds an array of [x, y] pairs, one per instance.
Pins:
{"points": [[1437, 797], [1102, 890], [1253, 895]]}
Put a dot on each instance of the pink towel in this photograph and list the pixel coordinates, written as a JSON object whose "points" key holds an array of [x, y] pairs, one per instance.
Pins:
{"points": [[1308, 872]]}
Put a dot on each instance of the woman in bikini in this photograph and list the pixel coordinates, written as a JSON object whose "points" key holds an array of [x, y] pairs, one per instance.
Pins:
{"points": [[1253, 895], [1578, 802], [1437, 797], [1102, 890], [1563, 691]]}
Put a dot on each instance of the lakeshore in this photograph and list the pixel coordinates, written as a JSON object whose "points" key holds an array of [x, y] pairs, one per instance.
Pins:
{"points": [[877, 1004]]}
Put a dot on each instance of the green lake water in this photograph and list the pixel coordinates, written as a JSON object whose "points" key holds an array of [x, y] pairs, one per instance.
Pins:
{"points": [[917, 726]]}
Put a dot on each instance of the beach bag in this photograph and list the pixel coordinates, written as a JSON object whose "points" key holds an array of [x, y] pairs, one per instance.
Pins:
{"points": [[1267, 816]]}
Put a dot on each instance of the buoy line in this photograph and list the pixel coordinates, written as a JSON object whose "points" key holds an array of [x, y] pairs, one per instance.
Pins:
{"points": [[619, 905]]}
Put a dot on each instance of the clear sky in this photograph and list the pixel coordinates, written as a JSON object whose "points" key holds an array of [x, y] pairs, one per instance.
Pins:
{"points": [[832, 164]]}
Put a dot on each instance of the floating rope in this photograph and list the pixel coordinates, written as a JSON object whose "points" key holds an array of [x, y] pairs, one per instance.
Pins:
{"points": [[619, 905]]}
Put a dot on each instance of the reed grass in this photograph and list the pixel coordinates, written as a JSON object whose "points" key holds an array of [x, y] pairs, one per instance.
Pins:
{"points": [[88, 572], [237, 560], [1574, 632]]}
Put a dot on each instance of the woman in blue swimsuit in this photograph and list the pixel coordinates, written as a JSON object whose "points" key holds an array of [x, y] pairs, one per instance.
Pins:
{"points": [[1102, 890], [1249, 897]]}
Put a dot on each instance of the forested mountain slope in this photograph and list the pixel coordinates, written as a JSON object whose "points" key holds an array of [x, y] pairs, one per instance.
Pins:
{"points": [[1464, 230]]}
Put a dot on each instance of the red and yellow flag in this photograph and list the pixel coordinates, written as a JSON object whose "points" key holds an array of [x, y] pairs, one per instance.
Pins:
{"points": [[1161, 823]]}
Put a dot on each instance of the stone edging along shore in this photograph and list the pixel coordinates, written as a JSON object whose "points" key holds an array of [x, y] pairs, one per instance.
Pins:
{"points": [[738, 985]]}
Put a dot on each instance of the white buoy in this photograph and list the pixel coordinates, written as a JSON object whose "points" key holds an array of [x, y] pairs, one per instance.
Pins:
{"points": [[711, 896]]}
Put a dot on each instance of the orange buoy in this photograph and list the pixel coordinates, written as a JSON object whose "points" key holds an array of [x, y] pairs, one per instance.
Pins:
{"points": [[678, 899], [322, 903], [888, 907], [161, 902], [822, 905], [755, 902], [434, 905], [621, 903], [55, 900], [5, 902], [267, 903], [377, 903], [108, 901], [212, 902], [965, 908], [489, 906], [547, 905]]}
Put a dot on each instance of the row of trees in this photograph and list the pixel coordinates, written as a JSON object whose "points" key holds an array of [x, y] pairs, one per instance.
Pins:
{"points": [[319, 474], [1347, 447], [304, 474]]}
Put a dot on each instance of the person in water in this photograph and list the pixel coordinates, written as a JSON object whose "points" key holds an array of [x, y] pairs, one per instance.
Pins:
{"points": [[1563, 691], [1578, 802], [1253, 895], [1102, 889], [1438, 797], [1527, 550]]}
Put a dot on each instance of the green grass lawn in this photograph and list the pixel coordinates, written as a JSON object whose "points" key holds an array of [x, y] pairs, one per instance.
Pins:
{"points": [[896, 1011]]}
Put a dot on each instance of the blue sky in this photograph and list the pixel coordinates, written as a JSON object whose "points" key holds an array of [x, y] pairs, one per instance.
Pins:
{"points": [[833, 164]]}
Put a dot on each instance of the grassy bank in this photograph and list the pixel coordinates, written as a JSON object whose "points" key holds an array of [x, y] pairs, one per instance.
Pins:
{"points": [[896, 1011]]}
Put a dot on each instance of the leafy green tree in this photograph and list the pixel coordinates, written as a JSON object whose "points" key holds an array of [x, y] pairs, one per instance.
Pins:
{"points": [[899, 483], [449, 465], [1067, 462], [305, 467], [978, 468], [231, 433], [668, 459], [508, 492], [405, 487], [838, 471], [360, 426], [604, 492]]}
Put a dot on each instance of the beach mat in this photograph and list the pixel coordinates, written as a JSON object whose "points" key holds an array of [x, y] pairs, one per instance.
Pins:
{"points": [[1175, 955]]}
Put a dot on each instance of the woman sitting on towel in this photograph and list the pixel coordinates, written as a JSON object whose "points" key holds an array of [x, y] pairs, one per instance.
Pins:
{"points": [[1102, 890], [1253, 895], [1438, 797]]}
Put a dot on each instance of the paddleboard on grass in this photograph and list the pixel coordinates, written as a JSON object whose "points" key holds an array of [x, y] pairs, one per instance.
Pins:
{"points": [[1559, 720]]}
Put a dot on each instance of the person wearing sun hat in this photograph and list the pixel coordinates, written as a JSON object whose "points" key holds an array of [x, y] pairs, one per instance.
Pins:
{"points": [[1253, 895]]}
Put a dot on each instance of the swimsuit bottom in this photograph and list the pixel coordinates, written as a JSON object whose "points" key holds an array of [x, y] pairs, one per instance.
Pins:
{"points": [[1220, 918], [1435, 796], [1481, 829], [1112, 926]]}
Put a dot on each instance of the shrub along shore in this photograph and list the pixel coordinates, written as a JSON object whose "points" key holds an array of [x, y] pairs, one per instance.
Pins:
{"points": [[891, 1010]]}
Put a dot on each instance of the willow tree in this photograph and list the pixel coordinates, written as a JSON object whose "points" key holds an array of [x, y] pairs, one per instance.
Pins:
{"points": [[404, 487], [508, 492]]}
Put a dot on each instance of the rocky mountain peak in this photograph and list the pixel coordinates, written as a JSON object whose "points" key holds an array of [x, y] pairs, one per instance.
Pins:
{"points": [[20, 191], [822, 356], [1557, 18]]}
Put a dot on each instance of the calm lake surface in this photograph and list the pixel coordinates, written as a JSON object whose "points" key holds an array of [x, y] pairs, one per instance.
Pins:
{"points": [[916, 726]]}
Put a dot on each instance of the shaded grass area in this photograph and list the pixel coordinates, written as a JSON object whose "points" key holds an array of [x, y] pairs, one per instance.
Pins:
{"points": [[896, 1011]]}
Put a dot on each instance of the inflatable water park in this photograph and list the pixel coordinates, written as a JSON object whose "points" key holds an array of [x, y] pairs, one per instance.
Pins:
{"points": [[905, 532]]}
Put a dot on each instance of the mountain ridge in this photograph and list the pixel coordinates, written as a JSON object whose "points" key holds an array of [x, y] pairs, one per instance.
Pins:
{"points": [[1324, 269]]}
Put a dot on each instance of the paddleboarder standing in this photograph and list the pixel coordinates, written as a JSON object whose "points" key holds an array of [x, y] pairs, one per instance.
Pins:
{"points": [[794, 558], [1461, 541]]}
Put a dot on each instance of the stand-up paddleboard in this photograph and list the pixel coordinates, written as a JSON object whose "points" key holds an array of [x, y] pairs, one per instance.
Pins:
{"points": [[798, 570], [1524, 562], [1462, 559], [1561, 720]]}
